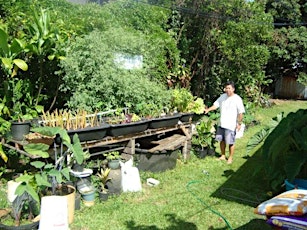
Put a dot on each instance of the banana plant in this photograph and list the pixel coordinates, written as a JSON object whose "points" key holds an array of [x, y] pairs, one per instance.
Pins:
{"points": [[10, 63], [45, 42], [9, 51]]}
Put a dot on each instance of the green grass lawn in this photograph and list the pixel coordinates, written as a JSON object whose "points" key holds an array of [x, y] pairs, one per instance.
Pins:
{"points": [[187, 198]]}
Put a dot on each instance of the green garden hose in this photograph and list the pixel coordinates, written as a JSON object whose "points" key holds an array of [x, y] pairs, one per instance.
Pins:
{"points": [[202, 202]]}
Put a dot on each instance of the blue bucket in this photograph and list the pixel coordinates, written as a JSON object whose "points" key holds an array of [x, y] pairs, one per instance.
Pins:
{"points": [[296, 184]]}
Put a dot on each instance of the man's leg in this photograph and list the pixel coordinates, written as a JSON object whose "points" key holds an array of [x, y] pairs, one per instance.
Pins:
{"points": [[220, 133], [223, 148], [231, 153]]}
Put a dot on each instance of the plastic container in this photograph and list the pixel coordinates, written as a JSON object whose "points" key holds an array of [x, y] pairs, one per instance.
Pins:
{"points": [[297, 184], [152, 182]]}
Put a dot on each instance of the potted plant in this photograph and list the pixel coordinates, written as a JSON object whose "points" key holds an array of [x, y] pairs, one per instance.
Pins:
{"points": [[21, 107], [88, 126], [113, 158], [25, 210], [47, 181], [185, 103], [205, 137], [103, 178], [48, 177], [17, 105], [124, 123], [164, 120]]}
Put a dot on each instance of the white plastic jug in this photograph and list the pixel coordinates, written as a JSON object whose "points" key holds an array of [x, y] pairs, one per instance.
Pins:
{"points": [[131, 181]]}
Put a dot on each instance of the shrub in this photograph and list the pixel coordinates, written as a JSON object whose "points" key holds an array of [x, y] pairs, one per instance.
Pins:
{"points": [[96, 78]]}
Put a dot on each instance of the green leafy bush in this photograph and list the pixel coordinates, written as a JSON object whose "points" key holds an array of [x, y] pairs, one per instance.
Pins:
{"points": [[184, 101], [96, 79]]}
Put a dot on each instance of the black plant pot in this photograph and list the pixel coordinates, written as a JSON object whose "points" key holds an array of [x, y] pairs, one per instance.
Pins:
{"points": [[158, 162], [197, 117], [186, 117], [90, 133], [20, 129], [31, 226], [166, 121], [77, 201], [103, 196], [127, 128], [203, 153]]}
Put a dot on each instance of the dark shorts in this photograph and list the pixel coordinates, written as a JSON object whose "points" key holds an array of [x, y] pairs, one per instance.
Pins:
{"points": [[226, 135]]}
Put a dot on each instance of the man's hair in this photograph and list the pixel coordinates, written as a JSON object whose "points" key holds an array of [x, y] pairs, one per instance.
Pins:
{"points": [[230, 83]]}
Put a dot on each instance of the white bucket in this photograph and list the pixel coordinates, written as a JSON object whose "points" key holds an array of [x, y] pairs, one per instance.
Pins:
{"points": [[54, 213]]}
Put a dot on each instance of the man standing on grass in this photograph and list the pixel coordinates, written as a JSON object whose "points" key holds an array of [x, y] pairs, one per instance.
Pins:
{"points": [[231, 110]]}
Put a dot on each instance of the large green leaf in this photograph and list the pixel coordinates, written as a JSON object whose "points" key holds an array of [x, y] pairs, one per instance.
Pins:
{"points": [[294, 160], [65, 137], [26, 187], [24, 178], [66, 173], [30, 190], [284, 148], [38, 164], [300, 139], [4, 48], [47, 131], [49, 166], [7, 62], [257, 139], [57, 174], [77, 149], [37, 149], [2, 154], [21, 64], [21, 189], [17, 46], [42, 180]]}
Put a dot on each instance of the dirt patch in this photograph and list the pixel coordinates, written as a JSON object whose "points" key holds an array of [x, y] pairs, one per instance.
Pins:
{"points": [[277, 101]]}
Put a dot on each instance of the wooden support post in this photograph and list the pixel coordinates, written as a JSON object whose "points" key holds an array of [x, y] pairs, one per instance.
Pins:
{"points": [[186, 132], [185, 150], [130, 147]]}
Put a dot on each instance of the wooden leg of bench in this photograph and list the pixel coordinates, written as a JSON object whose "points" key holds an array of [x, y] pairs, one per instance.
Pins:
{"points": [[185, 150]]}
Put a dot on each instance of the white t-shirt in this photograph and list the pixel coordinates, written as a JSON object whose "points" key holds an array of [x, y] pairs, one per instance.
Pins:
{"points": [[230, 107]]}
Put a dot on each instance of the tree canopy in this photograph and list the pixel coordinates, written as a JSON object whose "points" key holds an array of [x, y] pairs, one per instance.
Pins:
{"points": [[197, 44]]}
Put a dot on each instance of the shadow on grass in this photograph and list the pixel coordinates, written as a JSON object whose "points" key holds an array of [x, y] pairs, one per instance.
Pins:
{"points": [[255, 224], [247, 186], [176, 224]]}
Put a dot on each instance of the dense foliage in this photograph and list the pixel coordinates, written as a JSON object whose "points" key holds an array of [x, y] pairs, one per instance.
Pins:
{"points": [[96, 76], [289, 46], [192, 43], [225, 40]]}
